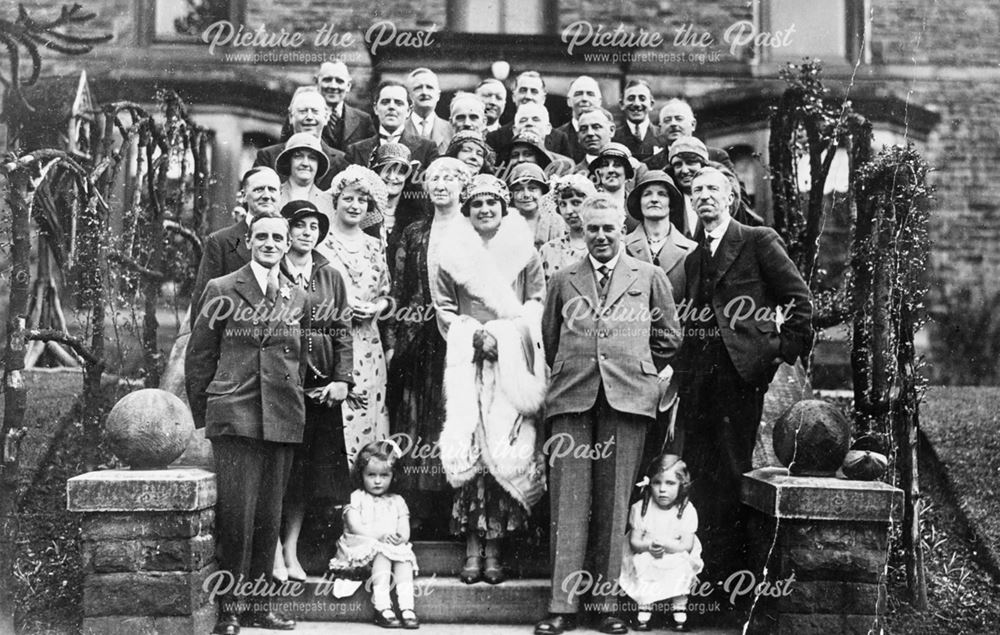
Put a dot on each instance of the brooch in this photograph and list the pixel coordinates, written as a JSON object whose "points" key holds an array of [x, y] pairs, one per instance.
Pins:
{"points": [[286, 292]]}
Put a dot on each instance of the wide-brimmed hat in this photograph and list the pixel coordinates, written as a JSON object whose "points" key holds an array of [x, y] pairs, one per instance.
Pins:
{"points": [[534, 141], [389, 153], [485, 184], [523, 172], [298, 141], [296, 210], [614, 150], [688, 145], [650, 177]]}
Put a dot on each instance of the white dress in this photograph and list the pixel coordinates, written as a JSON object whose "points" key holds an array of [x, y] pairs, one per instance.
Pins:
{"points": [[647, 579]]}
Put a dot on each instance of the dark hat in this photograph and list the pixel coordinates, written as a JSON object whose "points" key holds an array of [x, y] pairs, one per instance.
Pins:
{"points": [[297, 141], [527, 172], [295, 210], [650, 177], [614, 150], [476, 137], [531, 139], [718, 155]]}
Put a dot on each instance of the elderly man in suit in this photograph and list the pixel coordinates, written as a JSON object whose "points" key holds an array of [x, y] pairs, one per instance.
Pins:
{"points": [[610, 328], [225, 250], [425, 93], [307, 112], [584, 96], [676, 120], [346, 124], [749, 310], [638, 133], [529, 88], [392, 107], [494, 96], [244, 384]]}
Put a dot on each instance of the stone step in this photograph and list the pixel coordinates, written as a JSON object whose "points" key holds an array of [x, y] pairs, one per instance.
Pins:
{"points": [[445, 558], [438, 599]]}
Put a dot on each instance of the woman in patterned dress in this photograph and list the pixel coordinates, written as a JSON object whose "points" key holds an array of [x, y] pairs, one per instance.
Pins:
{"points": [[567, 195], [416, 398], [360, 259]]}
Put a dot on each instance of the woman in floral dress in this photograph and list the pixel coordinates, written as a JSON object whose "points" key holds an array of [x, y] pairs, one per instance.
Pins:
{"points": [[567, 196], [360, 259]]}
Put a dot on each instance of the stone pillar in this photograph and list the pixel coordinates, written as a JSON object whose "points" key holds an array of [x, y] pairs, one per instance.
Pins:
{"points": [[147, 548], [824, 542]]}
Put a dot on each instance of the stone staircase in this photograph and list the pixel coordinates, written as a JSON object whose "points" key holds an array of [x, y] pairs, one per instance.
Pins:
{"points": [[440, 596]]}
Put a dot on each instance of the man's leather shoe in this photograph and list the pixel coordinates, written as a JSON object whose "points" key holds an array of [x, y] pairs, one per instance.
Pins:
{"points": [[228, 624], [612, 625], [555, 624], [266, 619]]}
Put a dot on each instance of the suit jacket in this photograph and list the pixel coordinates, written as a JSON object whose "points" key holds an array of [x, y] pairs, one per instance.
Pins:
{"points": [[500, 140], [754, 273], [244, 366], [641, 149], [441, 133], [224, 252], [575, 150], [357, 126], [267, 157], [421, 149], [671, 258], [621, 344], [328, 341]]}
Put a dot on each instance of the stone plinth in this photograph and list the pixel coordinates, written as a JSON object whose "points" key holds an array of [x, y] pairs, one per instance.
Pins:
{"points": [[147, 548], [829, 538]]}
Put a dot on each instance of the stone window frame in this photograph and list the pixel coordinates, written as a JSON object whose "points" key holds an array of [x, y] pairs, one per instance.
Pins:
{"points": [[461, 13], [855, 49], [146, 23]]}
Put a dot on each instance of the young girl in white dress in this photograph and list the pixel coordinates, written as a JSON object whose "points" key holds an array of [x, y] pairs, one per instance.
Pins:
{"points": [[662, 552], [377, 532]]}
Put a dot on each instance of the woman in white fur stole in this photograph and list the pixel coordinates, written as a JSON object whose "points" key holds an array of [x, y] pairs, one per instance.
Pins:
{"points": [[489, 295]]}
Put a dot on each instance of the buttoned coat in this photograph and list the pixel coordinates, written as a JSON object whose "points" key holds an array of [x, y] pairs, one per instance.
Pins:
{"points": [[357, 126], [622, 343], [244, 372], [676, 248], [755, 276]]}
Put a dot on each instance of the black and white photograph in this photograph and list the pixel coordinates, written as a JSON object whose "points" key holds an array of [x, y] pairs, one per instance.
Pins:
{"points": [[500, 317]]}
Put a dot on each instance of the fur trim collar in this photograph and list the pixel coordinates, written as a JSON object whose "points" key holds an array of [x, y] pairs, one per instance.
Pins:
{"points": [[487, 271]]}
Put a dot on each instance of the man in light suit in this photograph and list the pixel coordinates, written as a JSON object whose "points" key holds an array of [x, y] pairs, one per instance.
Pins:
{"points": [[346, 124], [392, 107], [244, 383], [307, 112], [749, 310], [609, 328], [425, 93], [225, 250]]}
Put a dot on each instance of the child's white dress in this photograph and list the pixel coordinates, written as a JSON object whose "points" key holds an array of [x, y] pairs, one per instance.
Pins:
{"points": [[647, 579], [355, 551]]}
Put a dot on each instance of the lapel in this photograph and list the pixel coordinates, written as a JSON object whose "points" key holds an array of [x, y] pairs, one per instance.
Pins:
{"points": [[582, 278], [637, 245], [238, 243], [409, 129], [622, 277], [247, 287], [729, 246], [351, 121], [675, 249]]}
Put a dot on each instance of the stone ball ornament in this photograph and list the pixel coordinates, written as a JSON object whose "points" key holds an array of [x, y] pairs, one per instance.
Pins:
{"points": [[865, 465], [148, 429], [812, 438]]}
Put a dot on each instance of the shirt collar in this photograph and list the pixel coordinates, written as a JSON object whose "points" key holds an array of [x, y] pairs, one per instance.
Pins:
{"points": [[305, 271], [720, 231], [493, 126], [261, 273], [418, 120], [597, 264], [641, 128]]}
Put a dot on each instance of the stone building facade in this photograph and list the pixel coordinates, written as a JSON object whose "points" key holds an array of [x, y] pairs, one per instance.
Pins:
{"points": [[924, 70]]}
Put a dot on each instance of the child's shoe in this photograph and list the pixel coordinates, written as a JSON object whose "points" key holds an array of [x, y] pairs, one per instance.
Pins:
{"points": [[680, 621], [642, 620]]}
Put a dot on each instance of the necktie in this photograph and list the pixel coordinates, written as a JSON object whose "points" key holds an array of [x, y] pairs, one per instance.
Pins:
{"points": [[706, 244], [425, 129], [272, 290], [605, 275]]}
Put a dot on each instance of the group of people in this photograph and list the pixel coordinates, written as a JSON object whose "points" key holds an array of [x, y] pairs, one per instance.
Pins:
{"points": [[456, 297]]}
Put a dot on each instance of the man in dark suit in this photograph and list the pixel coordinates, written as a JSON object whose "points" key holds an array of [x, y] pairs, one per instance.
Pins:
{"points": [[529, 88], [425, 93], [610, 328], [637, 133], [584, 95], [392, 107], [346, 124], [749, 310], [307, 112], [244, 383], [225, 251], [597, 127]]}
